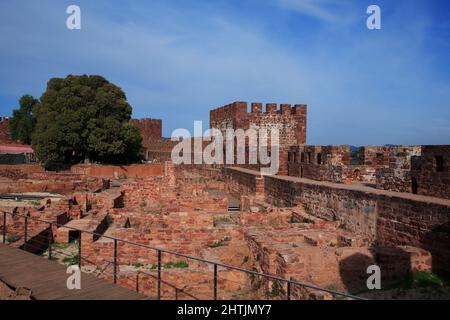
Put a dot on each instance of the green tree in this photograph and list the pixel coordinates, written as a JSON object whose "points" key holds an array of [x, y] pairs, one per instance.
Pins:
{"points": [[22, 122], [87, 117]]}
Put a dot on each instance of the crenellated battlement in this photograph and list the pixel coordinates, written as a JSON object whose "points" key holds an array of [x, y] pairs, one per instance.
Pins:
{"points": [[290, 119], [240, 107], [272, 108]]}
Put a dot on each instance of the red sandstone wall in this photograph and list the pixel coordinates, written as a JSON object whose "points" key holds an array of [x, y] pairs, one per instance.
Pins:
{"points": [[33, 178], [5, 135], [157, 196], [131, 171], [388, 219], [151, 129], [241, 182], [23, 168], [327, 163], [58, 185], [290, 120], [159, 151], [375, 155], [415, 169], [355, 210], [432, 182]]}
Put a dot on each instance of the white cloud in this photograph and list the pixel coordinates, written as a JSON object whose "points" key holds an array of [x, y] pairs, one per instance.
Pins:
{"points": [[178, 65], [324, 10]]}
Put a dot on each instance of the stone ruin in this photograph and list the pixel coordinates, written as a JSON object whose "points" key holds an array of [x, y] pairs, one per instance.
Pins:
{"points": [[329, 214], [320, 234]]}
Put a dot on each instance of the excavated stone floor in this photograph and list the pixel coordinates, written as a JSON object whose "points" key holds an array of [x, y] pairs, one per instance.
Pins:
{"points": [[202, 217]]}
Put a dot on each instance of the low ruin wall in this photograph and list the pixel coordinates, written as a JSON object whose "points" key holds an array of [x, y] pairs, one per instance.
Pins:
{"points": [[50, 183], [24, 168], [244, 181], [355, 210], [386, 218], [131, 171]]}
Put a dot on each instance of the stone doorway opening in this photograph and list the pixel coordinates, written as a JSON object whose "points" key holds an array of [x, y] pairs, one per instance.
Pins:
{"points": [[414, 186]]}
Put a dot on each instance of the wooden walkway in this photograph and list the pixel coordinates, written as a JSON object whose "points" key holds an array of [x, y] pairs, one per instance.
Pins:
{"points": [[47, 279]]}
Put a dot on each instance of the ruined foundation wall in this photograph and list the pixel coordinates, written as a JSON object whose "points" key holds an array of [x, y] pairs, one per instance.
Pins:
{"points": [[244, 182], [386, 218], [20, 169], [355, 210], [109, 171]]}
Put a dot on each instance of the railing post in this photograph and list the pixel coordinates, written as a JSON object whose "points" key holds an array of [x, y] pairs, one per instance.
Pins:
{"points": [[4, 227], [215, 281], [159, 275], [288, 296], [115, 261], [25, 233], [137, 282], [79, 249], [50, 242]]}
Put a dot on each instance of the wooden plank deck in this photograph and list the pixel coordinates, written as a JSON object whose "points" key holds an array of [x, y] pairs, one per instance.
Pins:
{"points": [[47, 279]]}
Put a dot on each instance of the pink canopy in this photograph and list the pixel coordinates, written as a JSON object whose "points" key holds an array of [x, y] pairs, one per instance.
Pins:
{"points": [[15, 149]]}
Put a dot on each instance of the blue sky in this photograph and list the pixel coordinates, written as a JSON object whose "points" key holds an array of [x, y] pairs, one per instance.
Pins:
{"points": [[176, 60]]}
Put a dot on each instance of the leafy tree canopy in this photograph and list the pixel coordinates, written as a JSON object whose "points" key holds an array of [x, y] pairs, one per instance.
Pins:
{"points": [[22, 122], [85, 117]]}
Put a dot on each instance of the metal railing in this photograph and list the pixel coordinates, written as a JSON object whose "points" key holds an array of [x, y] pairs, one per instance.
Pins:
{"points": [[289, 283]]}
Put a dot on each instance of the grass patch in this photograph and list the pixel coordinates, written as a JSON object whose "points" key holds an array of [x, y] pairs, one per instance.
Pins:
{"points": [[343, 226], [275, 290], [423, 279], [73, 260], [172, 265], [62, 246], [35, 203], [220, 243], [137, 265]]}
